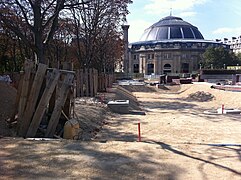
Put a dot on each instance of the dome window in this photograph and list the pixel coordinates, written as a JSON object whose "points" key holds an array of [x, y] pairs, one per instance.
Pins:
{"points": [[175, 33]]}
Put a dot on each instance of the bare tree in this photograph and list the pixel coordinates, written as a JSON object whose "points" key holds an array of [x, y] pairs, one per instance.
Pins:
{"points": [[40, 17], [97, 32]]}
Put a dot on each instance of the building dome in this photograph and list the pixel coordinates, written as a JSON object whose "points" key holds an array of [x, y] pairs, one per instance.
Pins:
{"points": [[170, 28]]}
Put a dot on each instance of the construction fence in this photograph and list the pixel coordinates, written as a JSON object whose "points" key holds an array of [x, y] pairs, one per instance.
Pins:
{"points": [[46, 95]]}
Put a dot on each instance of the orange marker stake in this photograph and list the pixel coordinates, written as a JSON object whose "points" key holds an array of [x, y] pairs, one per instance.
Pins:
{"points": [[139, 131], [222, 108]]}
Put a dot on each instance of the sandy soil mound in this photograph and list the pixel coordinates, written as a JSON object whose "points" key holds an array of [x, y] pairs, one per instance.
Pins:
{"points": [[139, 88], [91, 115], [200, 96], [150, 89], [7, 100], [228, 98]]}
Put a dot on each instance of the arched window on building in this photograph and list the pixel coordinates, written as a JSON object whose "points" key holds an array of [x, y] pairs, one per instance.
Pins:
{"points": [[167, 68]]}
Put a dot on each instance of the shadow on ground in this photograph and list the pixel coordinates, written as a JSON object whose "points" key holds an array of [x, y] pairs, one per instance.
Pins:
{"points": [[67, 159], [212, 152]]}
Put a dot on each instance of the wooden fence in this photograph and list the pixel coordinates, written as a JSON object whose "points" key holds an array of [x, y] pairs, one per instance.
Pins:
{"points": [[89, 82], [45, 95], [40, 87]]}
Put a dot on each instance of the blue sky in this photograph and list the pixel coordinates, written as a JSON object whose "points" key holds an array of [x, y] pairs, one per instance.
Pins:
{"points": [[216, 19]]}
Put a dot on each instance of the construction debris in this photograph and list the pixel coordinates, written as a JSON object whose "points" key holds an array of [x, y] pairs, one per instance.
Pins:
{"points": [[42, 92], [200, 96]]}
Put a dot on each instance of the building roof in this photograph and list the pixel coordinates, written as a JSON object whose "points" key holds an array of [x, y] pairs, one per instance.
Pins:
{"points": [[170, 28]]}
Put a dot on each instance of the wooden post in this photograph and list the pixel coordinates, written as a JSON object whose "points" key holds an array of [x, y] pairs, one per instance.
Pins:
{"points": [[81, 75], [32, 100], [86, 82], [53, 122], [96, 81], [91, 80], [78, 83], [106, 82], [52, 82], [100, 82]]}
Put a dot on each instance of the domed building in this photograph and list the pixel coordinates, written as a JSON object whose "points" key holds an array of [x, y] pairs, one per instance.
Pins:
{"points": [[170, 46]]}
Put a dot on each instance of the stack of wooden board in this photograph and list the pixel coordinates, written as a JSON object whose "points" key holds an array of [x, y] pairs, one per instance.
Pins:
{"points": [[39, 86]]}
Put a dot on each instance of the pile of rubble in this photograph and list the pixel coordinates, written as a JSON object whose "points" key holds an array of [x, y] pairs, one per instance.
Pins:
{"points": [[201, 96]]}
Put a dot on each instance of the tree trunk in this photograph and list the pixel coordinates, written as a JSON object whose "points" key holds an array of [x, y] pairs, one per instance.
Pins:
{"points": [[38, 33]]}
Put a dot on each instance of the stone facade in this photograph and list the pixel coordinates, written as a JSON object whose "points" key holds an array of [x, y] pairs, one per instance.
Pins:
{"points": [[168, 57], [170, 46]]}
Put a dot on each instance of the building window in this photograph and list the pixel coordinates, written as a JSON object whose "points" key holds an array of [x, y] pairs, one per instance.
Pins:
{"points": [[148, 56], [167, 68], [136, 68], [184, 56], [152, 56], [135, 57], [167, 56], [150, 69], [185, 68]]}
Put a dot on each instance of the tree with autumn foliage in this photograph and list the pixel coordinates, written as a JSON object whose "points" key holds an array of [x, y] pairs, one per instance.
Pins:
{"points": [[97, 33], [54, 31], [39, 17]]}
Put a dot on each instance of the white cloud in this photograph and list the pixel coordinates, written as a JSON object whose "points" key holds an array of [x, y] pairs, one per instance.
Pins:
{"points": [[163, 6], [187, 14], [137, 29], [224, 30]]}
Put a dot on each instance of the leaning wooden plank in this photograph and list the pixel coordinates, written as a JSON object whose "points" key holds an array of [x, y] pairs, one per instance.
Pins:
{"points": [[17, 97], [66, 108], [64, 91], [24, 91], [38, 115], [32, 100]]}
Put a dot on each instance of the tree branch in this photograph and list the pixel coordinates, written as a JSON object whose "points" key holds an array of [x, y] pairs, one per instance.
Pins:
{"points": [[24, 14], [43, 14], [59, 7], [16, 30]]}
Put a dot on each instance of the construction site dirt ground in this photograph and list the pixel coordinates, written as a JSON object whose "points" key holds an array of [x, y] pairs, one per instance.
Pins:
{"points": [[179, 141]]}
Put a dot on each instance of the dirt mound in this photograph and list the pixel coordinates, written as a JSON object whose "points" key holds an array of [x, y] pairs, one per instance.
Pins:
{"points": [[7, 101], [201, 96], [91, 116], [227, 98], [139, 88]]}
